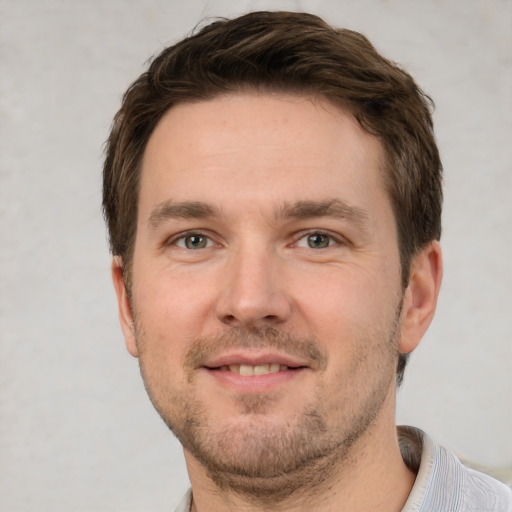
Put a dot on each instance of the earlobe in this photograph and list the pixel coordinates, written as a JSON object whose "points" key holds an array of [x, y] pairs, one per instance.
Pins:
{"points": [[420, 298], [124, 306]]}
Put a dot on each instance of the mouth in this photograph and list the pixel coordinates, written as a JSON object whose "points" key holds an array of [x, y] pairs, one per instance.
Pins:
{"points": [[253, 372], [248, 370]]}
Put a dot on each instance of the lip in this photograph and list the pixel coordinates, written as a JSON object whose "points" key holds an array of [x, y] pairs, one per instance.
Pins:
{"points": [[297, 367], [254, 383], [252, 358]]}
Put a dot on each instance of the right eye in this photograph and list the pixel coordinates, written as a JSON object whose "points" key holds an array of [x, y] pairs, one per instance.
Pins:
{"points": [[317, 240], [193, 241]]}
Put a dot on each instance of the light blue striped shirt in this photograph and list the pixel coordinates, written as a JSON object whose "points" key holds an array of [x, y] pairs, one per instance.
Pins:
{"points": [[443, 483]]}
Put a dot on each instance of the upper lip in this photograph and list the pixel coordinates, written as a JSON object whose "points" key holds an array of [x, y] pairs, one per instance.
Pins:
{"points": [[254, 359]]}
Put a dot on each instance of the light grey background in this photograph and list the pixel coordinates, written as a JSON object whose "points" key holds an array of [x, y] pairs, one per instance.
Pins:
{"points": [[77, 432]]}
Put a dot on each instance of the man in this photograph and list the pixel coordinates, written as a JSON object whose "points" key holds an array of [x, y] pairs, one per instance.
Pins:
{"points": [[272, 189]]}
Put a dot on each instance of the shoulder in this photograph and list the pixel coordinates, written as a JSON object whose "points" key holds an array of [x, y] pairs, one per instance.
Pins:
{"points": [[443, 483], [483, 493]]}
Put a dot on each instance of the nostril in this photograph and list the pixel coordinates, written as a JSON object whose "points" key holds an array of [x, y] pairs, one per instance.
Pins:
{"points": [[234, 320]]}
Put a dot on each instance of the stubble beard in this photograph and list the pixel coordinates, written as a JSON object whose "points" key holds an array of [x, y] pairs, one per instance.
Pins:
{"points": [[259, 459]]}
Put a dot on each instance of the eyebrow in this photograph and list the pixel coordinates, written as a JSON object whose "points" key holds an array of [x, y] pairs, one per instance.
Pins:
{"points": [[329, 208], [307, 209], [183, 210]]}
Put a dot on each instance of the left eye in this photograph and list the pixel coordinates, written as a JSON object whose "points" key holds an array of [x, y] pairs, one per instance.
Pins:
{"points": [[193, 241], [316, 241]]}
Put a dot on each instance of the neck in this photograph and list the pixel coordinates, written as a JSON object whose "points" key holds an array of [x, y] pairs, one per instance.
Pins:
{"points": [[371, 477]]}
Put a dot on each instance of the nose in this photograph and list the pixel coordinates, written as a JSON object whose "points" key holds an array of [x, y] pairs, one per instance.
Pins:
{"points": [[253, 295]]}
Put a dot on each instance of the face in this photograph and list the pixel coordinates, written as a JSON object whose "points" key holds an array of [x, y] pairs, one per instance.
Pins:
{"points": [[266, 305]]}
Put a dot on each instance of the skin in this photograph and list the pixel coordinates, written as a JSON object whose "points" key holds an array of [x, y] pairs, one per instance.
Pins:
{"points": [[265, 235]]}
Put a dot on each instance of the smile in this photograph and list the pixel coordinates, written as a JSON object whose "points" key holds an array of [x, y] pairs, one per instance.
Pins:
{"points": [[247, 370]]}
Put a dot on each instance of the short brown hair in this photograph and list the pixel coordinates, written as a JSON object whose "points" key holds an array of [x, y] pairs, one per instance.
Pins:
{"points": [[284, 52]]}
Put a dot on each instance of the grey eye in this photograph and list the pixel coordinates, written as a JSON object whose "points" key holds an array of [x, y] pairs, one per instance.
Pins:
{"points": [[318, 241], [195, 241]]}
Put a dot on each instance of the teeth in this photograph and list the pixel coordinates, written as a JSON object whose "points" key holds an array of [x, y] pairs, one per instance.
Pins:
{"points": [[248, 371], [262, 369]]}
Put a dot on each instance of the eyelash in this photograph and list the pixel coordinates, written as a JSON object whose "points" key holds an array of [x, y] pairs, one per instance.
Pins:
{"points": [[332, 239], [183, 236]]}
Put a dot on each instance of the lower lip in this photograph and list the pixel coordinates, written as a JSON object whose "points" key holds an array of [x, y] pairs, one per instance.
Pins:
{"points": [[255, 383]]}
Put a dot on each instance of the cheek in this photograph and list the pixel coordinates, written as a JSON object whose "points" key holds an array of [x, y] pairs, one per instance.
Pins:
{"points": [[173, 295], [349, 311], [170, 312], [339, 298]]}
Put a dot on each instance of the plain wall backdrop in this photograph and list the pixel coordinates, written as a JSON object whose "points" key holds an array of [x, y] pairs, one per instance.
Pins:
{"points": [[77, 431]]}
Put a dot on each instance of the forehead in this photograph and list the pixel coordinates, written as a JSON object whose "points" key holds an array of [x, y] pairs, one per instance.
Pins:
{"points": [[269, 146]]}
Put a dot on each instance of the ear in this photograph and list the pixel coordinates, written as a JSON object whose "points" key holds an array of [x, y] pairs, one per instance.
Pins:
{"points": [[420, 297], [124, 306]]}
